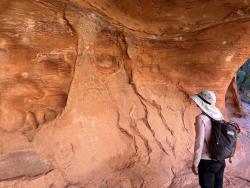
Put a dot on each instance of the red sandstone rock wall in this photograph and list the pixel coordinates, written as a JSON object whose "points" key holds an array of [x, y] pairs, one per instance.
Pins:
{"points": [[233, 101], [98, 92]]}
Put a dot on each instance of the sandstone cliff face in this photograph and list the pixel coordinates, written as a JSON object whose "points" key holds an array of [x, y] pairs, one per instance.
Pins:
{"points": [[233, 100], [38, 53], [98, 91]]}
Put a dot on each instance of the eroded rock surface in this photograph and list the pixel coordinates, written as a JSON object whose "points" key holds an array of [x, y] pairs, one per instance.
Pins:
{"points": [[23, 164], [115, 78], [233, 100], [38, 52]]}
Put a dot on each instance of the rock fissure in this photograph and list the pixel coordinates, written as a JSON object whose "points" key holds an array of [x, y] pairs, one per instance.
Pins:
{"points": [[145, 119], [123, 130], [133, 125], [146, 122], [66, 21], [131, 137], [78, 185], [244, 179], [129, 73], [173, 179], [224, 22], [159, 109], [183, 118]]}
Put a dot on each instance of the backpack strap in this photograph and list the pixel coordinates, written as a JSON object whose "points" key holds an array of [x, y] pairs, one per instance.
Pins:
{"points": [[236, 126]]}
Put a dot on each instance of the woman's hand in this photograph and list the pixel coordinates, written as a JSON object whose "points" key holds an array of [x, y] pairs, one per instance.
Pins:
{"points": [[195, 169]]}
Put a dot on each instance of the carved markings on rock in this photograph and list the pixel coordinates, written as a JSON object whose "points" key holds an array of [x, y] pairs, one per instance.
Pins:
{"points": [[23, 164]]}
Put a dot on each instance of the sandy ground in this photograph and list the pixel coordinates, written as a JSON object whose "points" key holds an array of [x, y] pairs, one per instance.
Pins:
{"points": [[237, 174]]}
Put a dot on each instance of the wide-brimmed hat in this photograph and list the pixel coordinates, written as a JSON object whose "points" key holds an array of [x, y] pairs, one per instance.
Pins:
{"points": [[206, 101]]}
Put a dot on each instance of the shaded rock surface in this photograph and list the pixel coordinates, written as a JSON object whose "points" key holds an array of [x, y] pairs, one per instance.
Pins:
{"points": [[23, 164], [101, 88], [233, 100]]}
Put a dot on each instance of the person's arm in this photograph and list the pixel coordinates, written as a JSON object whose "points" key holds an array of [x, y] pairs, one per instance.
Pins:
{"points": [[199, 142]]}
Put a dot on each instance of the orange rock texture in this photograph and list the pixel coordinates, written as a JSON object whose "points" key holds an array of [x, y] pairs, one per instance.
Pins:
{"points": [[96, 93]]}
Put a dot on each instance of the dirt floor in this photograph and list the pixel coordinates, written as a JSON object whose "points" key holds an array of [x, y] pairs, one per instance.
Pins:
{"points": [[238, 172]]}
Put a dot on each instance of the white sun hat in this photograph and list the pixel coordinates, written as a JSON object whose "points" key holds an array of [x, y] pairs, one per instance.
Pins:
{"points": [[206, 101]]}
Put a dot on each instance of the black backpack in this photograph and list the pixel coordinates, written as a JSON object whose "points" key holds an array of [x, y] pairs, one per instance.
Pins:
{"points": [[222, 143]]}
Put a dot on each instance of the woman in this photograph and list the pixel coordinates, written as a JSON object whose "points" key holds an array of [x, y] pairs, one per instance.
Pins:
{"points": [[210, 171]]}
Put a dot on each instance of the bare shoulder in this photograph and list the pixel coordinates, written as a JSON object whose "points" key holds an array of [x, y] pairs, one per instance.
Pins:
{"points": [[202, 117]]}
